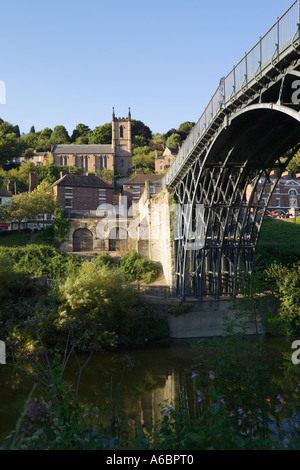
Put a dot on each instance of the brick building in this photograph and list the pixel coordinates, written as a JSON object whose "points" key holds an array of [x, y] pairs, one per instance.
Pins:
{"points": [[164, 161], [134, 187], [80, 193], [287, 190]]}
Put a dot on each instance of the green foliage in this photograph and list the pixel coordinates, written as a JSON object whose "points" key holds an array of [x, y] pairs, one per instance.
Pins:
{"points": [[59, 135], [41, 260], [287, 280], [13, 284], [10, 145], [174, 141], [101, 135], [103, 259], [136, 267], [55, 234], [143, 158], [98, 302]]}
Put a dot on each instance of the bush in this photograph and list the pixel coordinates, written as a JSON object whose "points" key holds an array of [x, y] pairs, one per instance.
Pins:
{"points": [[41, 260], [102, 260], [287, 280], [97, 303], [136, 267], [13, 284]]}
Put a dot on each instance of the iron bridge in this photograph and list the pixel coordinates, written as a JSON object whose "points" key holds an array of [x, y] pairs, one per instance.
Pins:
{"points": [[251, 121]]}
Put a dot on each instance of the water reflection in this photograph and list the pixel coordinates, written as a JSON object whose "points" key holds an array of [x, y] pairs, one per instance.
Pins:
{"points": [[135, 381]]}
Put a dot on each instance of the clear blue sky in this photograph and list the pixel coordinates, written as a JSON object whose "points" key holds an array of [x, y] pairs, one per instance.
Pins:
{"points": [[69, 61]]}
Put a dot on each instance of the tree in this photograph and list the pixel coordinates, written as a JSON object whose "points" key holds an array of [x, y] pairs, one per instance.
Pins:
{"points": [[174, 141], [143, 158], [32, 130], [81, 134], [59, 135], [10, 145], [138, 128], [101, 135], [27, 206]]}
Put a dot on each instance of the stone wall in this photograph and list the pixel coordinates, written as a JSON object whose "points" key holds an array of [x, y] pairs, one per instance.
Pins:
{"points": [[154, 211]]}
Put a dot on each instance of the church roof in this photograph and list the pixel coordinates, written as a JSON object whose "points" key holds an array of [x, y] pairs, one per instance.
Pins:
{"points": [[82, 149]]}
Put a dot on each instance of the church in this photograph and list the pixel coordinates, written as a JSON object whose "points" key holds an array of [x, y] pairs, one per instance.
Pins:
{"points": [[100, 157]]}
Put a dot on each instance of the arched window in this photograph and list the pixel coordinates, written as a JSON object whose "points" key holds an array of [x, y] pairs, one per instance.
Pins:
{"points": [[121, 132]]}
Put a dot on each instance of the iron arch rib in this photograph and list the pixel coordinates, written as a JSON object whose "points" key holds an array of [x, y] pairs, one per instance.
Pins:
{"points": [[224, 179]]}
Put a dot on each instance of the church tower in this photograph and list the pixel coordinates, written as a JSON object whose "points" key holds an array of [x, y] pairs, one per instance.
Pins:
{"points": [[121, 143]]}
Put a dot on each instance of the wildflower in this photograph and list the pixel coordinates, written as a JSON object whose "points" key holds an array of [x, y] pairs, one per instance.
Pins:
{"points": [[231, 414], [211, 375], [280, 398], [193, 375], [278, 408], [240, 422], [166, 412], [240, 411], [200, 396], [222, 401]]}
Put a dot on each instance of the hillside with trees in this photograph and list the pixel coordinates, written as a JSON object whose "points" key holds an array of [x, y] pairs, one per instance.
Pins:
{"points": [[13, 144]]}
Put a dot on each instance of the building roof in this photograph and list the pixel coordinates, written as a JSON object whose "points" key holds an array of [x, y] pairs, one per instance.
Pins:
{"points": [[85, 181], [5, 193], [61, 149], [140, 178]]}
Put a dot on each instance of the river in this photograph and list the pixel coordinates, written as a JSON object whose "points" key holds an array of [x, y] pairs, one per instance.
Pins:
{"points": [[152, 375]]}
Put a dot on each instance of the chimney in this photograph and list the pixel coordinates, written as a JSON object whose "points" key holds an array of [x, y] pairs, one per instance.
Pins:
{"points": [[32, 181], [287, 174]]}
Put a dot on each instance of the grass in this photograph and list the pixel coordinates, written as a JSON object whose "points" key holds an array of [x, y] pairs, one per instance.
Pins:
{"points": [[280, 231]]}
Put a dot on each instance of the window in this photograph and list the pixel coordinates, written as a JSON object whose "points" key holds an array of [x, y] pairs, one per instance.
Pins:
{"points": [[136, 189], [161, 168], [122, 163], [151, 189], [102, 194], [0, 200], [277, 190], [68, 192], [68, 203], [121, 132], [277, 202]]}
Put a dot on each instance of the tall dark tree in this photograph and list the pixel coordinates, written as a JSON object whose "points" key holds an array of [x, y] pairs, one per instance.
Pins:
{"points": [[138, 128], [59, 135]]}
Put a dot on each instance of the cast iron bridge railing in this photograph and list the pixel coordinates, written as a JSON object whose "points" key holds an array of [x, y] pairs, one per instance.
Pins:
{"points": [[251, 121]]}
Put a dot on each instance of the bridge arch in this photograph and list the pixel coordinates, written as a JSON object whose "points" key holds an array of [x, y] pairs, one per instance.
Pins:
{"points": [[246, 148]]}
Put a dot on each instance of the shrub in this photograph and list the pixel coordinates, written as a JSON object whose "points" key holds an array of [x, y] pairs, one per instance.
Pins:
{"points": [[98, 303], [41, 260], [136, 267], [13, 284], [287, 280], [102, 260]]}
